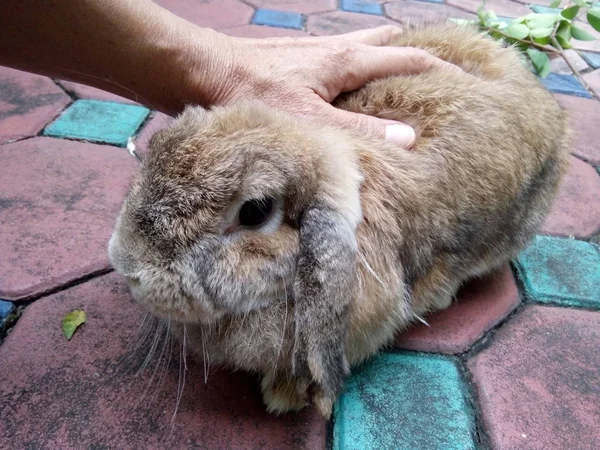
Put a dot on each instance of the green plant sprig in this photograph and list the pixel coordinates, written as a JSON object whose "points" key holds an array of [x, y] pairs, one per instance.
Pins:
{"points": [[539, 34]]}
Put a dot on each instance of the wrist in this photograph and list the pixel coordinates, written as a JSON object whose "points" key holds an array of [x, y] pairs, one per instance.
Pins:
{"points": [[179, 63]]}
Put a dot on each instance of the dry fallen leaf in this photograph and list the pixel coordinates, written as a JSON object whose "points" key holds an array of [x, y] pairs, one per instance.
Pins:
{"points": [[71, 321]]}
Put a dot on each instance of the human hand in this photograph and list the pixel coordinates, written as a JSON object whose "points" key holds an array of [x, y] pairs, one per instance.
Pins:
{"points": [[304, 75]]}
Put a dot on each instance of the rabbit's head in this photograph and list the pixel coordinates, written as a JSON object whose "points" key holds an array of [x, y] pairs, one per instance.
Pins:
{"points": [[236, 208]]}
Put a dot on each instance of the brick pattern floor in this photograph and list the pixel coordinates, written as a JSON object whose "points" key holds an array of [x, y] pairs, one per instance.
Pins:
{"points": [[513, 364]]}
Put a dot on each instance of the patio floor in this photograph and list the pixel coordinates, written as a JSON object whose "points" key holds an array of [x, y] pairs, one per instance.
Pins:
{"points": [[513, 364]]}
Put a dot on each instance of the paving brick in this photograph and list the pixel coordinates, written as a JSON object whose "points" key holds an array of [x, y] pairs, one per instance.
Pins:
{"points": [[565, 84], [404, 401], [537, 383], [542, 9], [408, 11], [361, 6], [480, 305], [259, 31], [504, 8], [211, 13], [58, 203], [593, 59], [84, 393], [91, 93], [303, 7], [584, 116], [339, 22], [559, 65], [98, 121], [6, 308], [593, 81], [27, 103], [280, 19], [561, 271], [576, 209], [593, 46]]}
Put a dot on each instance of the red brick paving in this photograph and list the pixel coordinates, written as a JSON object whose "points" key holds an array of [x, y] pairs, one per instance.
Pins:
{"points": [[479, 306], [536, 376], [59, 203], [339, 22], [303, 7], [576, 210], [88, 92], [27, 103], [83, 393], [593, 81], [211, 13], [538, 382], [502, 8], [584, 115], [410, 11]]}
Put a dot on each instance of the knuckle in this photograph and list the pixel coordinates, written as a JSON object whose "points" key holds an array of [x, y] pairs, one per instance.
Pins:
{"points": [[423, 59]]}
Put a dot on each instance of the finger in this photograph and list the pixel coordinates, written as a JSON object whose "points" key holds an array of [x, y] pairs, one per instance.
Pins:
{"points": [[396, 132], [373, 36], [381, 62]]}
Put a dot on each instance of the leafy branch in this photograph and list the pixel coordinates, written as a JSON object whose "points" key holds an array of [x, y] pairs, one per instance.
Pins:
{"points": [[539, 34]]}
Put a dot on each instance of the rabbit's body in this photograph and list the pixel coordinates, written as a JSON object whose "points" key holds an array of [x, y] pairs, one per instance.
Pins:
{"points": [[490, 152]]}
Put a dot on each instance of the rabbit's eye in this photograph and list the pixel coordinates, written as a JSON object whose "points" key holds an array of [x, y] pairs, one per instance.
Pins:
{"points": [[255, 212]]}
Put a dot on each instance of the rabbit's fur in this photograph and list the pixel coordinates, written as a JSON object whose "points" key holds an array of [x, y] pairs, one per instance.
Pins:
{"points": [[365, 237]]}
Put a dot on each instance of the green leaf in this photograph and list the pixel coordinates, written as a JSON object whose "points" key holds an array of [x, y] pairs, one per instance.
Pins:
{"points": [[580, 34], [555, 4], [498, 24], [72, 321], [563, 34], [481, 15], [540, 61], [491, 15], [542, 20], [542, 41], [570, 13], [593, 17], [541, 33], [517, 20], [581, 3], [517, 31]]}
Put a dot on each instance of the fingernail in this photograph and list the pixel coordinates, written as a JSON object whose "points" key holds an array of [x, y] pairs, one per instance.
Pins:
{"points": [[400, 134]]}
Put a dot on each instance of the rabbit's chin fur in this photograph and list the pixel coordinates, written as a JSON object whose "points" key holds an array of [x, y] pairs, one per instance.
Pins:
{"points": [[363, 238]]}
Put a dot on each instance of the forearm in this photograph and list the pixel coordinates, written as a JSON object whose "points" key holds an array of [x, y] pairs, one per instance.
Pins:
{"points": [[94, 41]]}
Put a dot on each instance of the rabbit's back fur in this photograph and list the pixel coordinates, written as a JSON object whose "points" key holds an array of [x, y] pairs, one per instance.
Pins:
{"points": [[489, 158]]}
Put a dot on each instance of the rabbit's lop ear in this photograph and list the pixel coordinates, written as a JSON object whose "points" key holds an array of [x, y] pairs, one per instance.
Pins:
{"points": [[325, 277]]}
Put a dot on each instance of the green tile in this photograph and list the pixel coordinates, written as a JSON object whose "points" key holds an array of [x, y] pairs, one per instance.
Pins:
{"points": [[561, 271], [98, 121], [405, 401]]}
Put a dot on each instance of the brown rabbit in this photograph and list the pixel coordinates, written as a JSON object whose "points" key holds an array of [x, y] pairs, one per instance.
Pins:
{"points": [[295, 249]]}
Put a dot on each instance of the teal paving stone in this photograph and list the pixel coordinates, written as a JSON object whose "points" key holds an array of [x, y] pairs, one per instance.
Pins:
{"points": [[6, 308], [561, 271], [541, 9], [361, 6], [405, 401], [279, 19], [565, 84], [593, 59], [98, 121]]}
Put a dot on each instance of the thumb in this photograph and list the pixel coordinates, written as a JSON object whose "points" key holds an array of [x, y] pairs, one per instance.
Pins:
{"points": [[396, 132]]}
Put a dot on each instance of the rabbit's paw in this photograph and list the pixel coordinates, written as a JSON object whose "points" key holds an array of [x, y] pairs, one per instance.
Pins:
{"points": [[282, 394]]}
